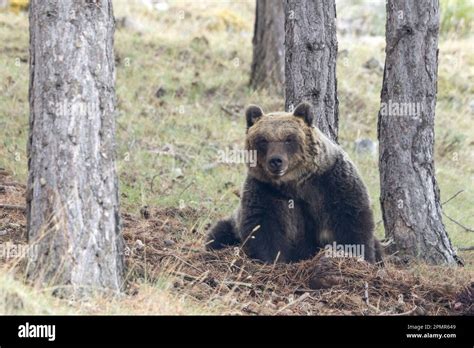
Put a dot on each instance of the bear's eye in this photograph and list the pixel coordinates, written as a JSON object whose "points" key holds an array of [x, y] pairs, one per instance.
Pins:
{"points": [[289, 140], [261, 142]]}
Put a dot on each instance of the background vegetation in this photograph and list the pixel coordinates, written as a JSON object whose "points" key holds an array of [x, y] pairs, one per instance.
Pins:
{"points": [[182, 86]]}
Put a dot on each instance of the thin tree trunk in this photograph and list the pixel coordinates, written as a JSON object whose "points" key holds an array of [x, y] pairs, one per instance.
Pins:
{"points": [[268, 65], [409, 193], [311, 52], [72, 203]]}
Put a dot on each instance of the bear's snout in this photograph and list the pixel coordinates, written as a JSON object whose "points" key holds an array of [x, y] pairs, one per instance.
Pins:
{"points": [[277, 165]]}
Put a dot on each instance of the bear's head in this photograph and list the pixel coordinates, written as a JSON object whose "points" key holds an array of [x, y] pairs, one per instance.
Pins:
{"points": [[284, 142]]}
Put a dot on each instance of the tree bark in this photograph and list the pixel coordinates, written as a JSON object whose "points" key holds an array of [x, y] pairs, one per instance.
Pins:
{"points": [[410, 196], [268, 64], [310, 62], [72, 202]]}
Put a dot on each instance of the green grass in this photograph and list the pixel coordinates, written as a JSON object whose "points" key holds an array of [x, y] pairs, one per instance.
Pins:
{"points": [[367, 17], [13, 93], [457, 17], [202, 63]]}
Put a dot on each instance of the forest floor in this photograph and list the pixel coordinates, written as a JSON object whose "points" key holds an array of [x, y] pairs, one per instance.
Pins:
{"points": [[182, 85]]}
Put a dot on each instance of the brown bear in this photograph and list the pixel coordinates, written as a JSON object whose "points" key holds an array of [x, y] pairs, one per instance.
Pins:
{"points": [[302, 195]]}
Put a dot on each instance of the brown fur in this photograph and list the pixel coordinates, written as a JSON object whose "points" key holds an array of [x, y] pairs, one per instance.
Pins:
{"points": [[303, 193]]}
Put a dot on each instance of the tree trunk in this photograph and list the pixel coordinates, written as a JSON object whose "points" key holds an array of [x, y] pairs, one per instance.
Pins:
{"points": [[73, 209], [268, 65], [311, 53], [409, 193]]}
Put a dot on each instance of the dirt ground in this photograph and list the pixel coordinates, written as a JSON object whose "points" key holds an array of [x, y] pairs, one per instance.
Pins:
{"points": [[156, 250]]}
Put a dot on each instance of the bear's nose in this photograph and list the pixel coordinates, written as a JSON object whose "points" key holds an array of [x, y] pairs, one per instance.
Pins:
{"points": [[275, 163]]}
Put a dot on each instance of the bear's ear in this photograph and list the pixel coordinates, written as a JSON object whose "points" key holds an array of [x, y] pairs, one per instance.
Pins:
{"points": [[304, 110], [252, 114]]}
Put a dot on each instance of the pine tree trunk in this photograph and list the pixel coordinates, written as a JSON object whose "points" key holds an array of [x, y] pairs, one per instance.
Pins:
{"points": [[409, 193], [268, 65], [311, 53], [73, 208]]}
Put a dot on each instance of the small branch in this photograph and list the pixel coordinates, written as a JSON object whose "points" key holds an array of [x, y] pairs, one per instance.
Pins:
{"points": [[467, 248], [184, 276], [229, 112], [189, 277], [410, 312], [188, 186], [12, 207], [229, 282], [299, 299], [366, 298], [454, 196], [400, 314], [184, 248], [459, 224], [13, 184]]}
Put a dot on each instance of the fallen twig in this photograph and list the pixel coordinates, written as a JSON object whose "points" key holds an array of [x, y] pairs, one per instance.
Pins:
{"points": [[410, 312], [229, 112], [12, 207], [230, 282], [8, 183], [299, 299], [452, 197], [185, 276], [458, 223]]}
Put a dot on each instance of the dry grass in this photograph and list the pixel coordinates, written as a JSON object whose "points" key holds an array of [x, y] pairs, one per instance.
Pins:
{"points": [[169, 274], [318, 286]]}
